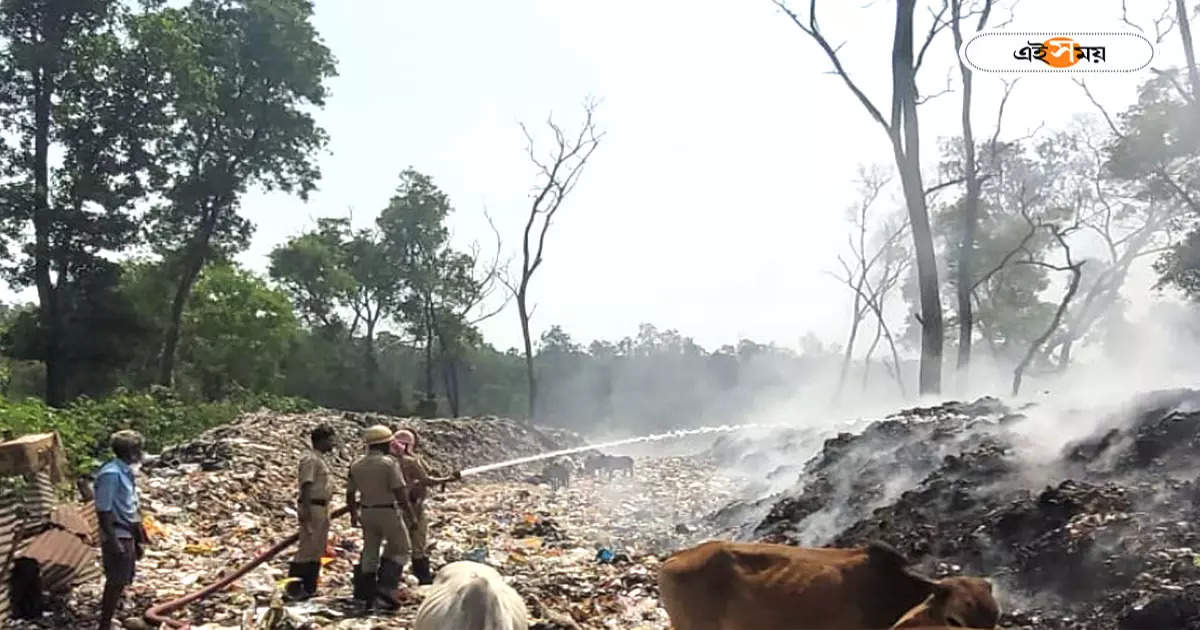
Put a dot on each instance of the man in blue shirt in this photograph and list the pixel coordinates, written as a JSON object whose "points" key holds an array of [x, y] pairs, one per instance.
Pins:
{"points": [[121, 532]]}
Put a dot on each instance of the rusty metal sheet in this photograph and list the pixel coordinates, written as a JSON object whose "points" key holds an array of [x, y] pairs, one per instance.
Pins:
{"points": [[64, 558], [11, 532], [34, 525], [75, 520]]}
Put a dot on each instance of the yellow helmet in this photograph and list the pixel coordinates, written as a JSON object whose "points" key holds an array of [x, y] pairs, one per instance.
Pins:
{"points": [[377, 434]]}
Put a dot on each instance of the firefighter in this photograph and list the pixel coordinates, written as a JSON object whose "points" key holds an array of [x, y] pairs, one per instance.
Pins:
{"points": [[378, 478], [404, 447], [312, 510]]}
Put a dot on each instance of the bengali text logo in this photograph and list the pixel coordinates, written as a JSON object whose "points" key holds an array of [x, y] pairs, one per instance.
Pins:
{"points": [[1063, 52]]}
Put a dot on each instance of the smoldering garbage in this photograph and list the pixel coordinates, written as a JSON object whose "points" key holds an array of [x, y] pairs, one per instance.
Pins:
{"points": [[1105, 536], [216, 502]]}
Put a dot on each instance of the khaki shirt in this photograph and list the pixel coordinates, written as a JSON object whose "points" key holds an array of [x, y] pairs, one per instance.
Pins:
{"points": [[414, 469], [376, 476], [314, 470]]}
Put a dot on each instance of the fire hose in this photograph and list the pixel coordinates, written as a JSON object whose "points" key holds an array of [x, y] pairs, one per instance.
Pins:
{"points": [[157, 614]]}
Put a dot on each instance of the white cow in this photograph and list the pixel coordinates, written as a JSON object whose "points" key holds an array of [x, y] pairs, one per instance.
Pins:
{"points": [[471, 596]]}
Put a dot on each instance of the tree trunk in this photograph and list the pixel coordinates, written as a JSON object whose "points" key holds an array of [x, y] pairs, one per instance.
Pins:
{"points": [[370, 362], [428, 364], [906, 146], [49, 311], [1019, 372], [871, 353], [966, 246], [523, 313], [195, 255], [1185, 33], [847, 355], [183, 290]]}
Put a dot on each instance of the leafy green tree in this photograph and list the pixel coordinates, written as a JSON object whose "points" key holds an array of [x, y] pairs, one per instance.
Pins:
{"points": [[237, 330], [246, 75], [312, 270], [343, 282], [102, 337], [73, 86]]}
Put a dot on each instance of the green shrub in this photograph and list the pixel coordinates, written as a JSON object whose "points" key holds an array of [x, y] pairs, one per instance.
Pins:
{"points": [[158, 414]]}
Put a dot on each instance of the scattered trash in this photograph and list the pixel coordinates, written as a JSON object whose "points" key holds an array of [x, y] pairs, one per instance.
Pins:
{"points": [[220, 500]]}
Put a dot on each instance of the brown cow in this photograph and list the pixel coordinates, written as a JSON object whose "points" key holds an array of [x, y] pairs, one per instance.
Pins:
{"points": [[953, 601], [724, 585]]}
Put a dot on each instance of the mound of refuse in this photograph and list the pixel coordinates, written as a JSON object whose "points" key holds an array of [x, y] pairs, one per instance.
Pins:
{"points": [[217, 501], [1105, 535]]}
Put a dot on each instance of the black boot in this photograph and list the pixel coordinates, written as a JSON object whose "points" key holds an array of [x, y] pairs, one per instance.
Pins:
{"points": [[312, 572], [420, 568], [361, 592], [296, 590], [388, 583], [369, 586]]}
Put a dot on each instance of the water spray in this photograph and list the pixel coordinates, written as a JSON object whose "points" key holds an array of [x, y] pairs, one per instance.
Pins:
{"points": [[679, 433]]}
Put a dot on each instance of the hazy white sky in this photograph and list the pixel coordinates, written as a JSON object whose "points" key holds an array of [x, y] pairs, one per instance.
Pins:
{"points": [[717, 198]]}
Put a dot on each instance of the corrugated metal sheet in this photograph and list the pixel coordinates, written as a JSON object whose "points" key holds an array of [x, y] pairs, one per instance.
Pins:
{"points": [[11, 533], [74, 519], [64, 558], [58, 536]]}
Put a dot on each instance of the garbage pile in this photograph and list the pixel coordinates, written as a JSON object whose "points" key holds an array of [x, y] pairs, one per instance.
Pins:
{"points": [[1106, 535], [583, 556]]}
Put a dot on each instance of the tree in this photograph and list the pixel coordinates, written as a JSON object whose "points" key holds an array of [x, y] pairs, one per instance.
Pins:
{"points": [[415, 237], [557, 173], [903, 131], [72, 86], [102, 332], [970, 218], [312, 270], [875, 268], [237, 331], [245, 77]]}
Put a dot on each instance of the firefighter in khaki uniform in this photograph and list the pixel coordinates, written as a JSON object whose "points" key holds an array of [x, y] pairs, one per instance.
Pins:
{"points": [[312, 510], [404, 448], [378, 478]]}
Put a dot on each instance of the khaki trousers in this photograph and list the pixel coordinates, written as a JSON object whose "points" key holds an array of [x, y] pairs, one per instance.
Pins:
{"points": [[418, 532], [314, 535], [383, 525]]}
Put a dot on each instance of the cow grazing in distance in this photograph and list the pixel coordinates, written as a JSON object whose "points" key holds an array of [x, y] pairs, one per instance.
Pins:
{"points": [[601, 463], [471, 596], [724, 585], [558, 473], [621, 463], [594, 464]]}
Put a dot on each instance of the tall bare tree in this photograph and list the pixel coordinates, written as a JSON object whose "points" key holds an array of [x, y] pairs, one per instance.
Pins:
{"points": [[970, 217], [875, 266], [558, 171], [903, 131]]}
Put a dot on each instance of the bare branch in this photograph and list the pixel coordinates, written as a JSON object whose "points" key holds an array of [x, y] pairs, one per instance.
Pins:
{"points": [[1103, 111], [938, 25], [949, 90], [812, 30]]}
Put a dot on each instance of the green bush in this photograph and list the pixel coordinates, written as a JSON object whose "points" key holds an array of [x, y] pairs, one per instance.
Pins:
{"points": [[158, 414]]}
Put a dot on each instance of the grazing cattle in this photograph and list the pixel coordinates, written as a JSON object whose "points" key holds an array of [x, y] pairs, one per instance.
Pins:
{"points": [[471, 596], [622, 463], [558, 473], [723, 585], [953, 602], [594, 464], [600, 463]]}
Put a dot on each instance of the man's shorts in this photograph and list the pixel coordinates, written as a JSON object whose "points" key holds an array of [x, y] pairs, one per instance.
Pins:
{"points": [[119, 567]]}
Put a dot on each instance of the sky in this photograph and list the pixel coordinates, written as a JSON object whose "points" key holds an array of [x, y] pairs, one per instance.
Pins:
{"points": [[715, 203]]}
